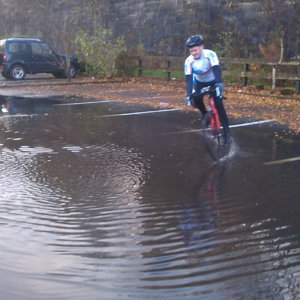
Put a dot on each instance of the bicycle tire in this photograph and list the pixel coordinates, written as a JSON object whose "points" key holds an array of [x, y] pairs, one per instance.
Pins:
{"points": [[213, 139]]}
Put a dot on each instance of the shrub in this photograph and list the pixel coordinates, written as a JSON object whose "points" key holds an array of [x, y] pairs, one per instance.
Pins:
{"points": [[100, 51]]}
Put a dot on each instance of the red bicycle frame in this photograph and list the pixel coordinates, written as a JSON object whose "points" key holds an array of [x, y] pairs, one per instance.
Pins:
{"points": [[214, 121]]}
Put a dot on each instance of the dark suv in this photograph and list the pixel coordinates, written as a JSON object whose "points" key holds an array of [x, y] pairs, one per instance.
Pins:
{"points": [[19, 56]]}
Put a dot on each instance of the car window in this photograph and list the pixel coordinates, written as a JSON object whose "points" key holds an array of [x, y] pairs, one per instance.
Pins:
{"points": [[46, 49], [15, 47], [40, 48]]}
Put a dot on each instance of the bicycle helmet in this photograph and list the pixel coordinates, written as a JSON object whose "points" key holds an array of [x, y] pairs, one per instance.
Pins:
{"points": [[194, 40]]}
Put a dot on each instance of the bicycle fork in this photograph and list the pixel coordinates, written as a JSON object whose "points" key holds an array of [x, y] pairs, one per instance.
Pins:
{"points": [[215, 123]]}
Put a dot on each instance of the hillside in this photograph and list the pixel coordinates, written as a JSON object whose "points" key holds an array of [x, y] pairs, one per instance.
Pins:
{"points": [[234, 28]]}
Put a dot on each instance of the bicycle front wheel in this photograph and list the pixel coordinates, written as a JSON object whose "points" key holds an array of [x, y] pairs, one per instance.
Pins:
{"points": [[213, 139]]}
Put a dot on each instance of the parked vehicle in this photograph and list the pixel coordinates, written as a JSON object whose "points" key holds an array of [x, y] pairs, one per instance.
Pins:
{"points": [[21, 56]]}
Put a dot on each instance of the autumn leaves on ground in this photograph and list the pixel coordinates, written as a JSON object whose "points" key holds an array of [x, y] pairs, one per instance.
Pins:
{"points": [[240, 101]]}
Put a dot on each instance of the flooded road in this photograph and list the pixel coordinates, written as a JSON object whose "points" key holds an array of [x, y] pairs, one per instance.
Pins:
{"points": [[102, 201]]}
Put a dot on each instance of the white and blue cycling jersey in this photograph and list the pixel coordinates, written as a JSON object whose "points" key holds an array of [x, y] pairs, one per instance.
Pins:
{"points": [[201, 68]]}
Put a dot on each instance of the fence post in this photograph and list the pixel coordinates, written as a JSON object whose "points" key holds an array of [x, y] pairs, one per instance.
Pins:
{"points": [[244, 75], [168, 72], [140, 68], [273, 77], [298, 81]]}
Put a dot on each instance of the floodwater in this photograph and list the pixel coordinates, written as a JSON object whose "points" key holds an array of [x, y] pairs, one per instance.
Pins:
{"points": [[100, 203]]}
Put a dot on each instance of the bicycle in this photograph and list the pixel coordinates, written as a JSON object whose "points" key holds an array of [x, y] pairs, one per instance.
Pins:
{"points": [[212, 133]]}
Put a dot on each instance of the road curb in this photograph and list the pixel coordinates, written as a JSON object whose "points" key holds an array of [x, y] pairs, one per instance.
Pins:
{"points": [[22, 84]]}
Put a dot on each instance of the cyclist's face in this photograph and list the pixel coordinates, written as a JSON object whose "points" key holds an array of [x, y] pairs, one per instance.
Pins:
{"points": [[196, 51]]}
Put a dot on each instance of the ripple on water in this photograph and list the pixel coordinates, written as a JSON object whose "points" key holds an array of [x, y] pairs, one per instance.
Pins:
{"points": [[81, 220]]}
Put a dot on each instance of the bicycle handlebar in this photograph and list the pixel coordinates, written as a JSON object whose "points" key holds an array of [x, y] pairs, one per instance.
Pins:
{"points": [[208, 89], [205, 90]]}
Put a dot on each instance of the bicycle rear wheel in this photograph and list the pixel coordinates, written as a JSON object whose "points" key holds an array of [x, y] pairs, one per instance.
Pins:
{"points": [[213, 139]]}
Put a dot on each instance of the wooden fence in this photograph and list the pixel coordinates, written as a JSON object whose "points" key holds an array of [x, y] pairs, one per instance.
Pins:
{"points": [[238, 69]]}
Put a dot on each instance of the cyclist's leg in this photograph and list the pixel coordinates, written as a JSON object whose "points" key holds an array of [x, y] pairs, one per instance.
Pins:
{"points": [[197, 101]]}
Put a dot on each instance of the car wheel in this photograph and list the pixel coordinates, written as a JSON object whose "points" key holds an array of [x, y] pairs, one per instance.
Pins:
{"points": [[70, 72], [17, 72]]}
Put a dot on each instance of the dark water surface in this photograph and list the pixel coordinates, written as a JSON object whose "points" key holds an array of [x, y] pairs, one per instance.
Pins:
{"points": [[98, 207]]}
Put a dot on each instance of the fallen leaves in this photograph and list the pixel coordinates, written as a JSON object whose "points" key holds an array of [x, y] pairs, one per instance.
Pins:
{"points": [[241, 101]]}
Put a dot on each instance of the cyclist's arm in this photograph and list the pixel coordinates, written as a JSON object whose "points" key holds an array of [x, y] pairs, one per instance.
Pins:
{"points": [[217, 73], [189, 84], [188, 72], [215, 65]]}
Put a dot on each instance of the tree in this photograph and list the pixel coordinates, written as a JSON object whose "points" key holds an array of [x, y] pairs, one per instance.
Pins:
{"points": [[281, 16]]}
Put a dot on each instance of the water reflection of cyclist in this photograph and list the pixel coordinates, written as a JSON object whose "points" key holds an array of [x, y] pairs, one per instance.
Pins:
{"points": [[200, 221], [202, 69]]}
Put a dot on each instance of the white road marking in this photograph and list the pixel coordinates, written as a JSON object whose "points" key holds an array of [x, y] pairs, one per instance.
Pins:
{"points": [[253, 123], [282, 161], [231, 126], [84, 103], [140, 113]]}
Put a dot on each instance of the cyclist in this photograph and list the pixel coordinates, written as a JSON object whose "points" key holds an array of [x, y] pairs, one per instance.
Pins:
{"points": [[202, 69]]}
